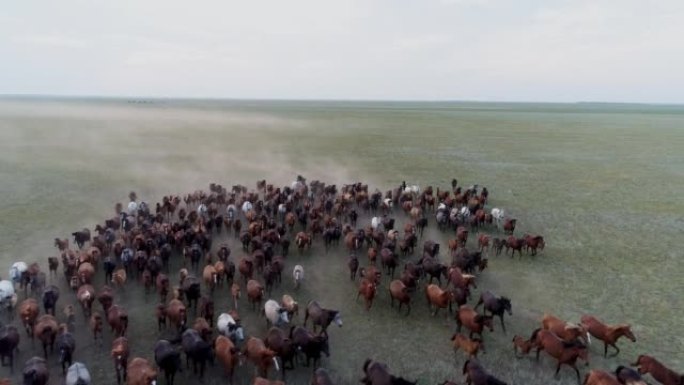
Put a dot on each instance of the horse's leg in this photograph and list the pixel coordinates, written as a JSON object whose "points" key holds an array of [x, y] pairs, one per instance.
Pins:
{"points": [[605, 349], [502, 323], [617, 350]]}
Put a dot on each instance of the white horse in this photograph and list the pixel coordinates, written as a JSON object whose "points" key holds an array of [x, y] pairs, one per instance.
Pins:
{"points": [[132, 208], [8, 298], [77, 374], [246, 206], [275, 314], [230, 211], [298, 275], [497, 215], [202, 210], [413, 189], [227, 326], [464, 212], [17, 269], [376, 223]]}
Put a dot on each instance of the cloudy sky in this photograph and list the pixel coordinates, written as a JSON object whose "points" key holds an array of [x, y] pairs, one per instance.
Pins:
{"points": [[509, 50]]}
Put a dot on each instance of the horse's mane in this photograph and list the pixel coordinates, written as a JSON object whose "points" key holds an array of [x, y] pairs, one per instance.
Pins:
{"points": [[534, 334], [366, 364]]}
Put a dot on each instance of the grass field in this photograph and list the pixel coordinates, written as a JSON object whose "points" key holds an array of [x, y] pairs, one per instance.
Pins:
{"points": [[602, 184]]}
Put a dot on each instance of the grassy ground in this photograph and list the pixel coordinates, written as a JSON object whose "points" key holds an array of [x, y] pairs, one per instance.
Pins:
{"points": [[603, 186]]}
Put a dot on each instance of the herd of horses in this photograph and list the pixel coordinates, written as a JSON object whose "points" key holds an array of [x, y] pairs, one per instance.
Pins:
{"points": [[140, 242]]}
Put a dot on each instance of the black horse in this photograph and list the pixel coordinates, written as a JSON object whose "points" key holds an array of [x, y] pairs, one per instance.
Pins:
{"points": [[495, 305], [66, 344], [168, 359], [311, 345], [50, 297], [9, 340], [197, 350], [109, 266]]}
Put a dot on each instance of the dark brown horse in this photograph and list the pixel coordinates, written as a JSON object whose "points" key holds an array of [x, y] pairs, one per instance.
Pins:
{"points": [[534, 242], [657, 370], [609, 334], [565, 353], [321, 316], [477, 375], [377, 373], [599, 377], [495, 305]]}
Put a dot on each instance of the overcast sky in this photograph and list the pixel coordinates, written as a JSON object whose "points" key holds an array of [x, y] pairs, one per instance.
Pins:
{"points": [[509, 50]]}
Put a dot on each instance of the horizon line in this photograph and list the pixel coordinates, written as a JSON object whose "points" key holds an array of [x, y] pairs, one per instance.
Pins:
{"points": [[142, 98]]}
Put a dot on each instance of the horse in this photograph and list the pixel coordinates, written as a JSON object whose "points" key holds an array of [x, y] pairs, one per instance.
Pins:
{"points": [[566, 353], [140, 372], [661, 373], [28, 312], [524, 345], [117, 317], [36, 372], [46, 331], [311, 345], [275, 314], [609, 334], [368, 289], [495, 305], [9, 341], [353, 265], [255, 293], [515, 244], [298, 275], [210, 277], [599, 377], [377, 373], [235, 294], [227, 354], [477, 375], [66, 344], [399, 291], [196, 350], [290, 305], [441, 299], [265, 381], [475, 322], [262, 357], [167, 359], [177, 313], [279, 342], [628, 376], [230, 328], [565, 330], [50, 297], [77, 374], [509, 225], [321, 377], [470, 346], [119, 353], [321, 316], [533, 242], [95, 324]]}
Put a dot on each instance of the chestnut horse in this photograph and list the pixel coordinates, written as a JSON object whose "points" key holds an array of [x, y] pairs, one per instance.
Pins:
{"points": [[564, 352], [475, 322], [470, 346], [609, 334], [660, 372]]}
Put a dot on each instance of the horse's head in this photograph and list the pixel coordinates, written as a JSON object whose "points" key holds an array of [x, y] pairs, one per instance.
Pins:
{"points": [[626, 330]]}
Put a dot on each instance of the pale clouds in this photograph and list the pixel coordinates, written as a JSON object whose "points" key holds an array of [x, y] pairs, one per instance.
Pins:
{"points": [[557, 50]]}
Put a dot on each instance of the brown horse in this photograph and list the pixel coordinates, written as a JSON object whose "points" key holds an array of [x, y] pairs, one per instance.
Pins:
{"points": [[533, 242], [263, 358], [321, 377], [483, 242], [46, 331], [255, 293], [117, 317], [522, 344], [609, 334], [86, 296], [227, 354], [235, 294], [119, 353], [566, 353], [377, 373], [629, 376], [660, 372], [470, 346], [477, 375], [509, 225], [95, 324], [28, 312], [441, 299], [177, 313], [246, 268], [368, 289], [599, 377], [566, 331], [515, 244], [400, 292], [140, 372], [475, 322]]}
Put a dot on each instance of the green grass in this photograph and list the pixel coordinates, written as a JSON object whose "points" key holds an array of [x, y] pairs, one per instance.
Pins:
{"points": [[603, 186]]}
